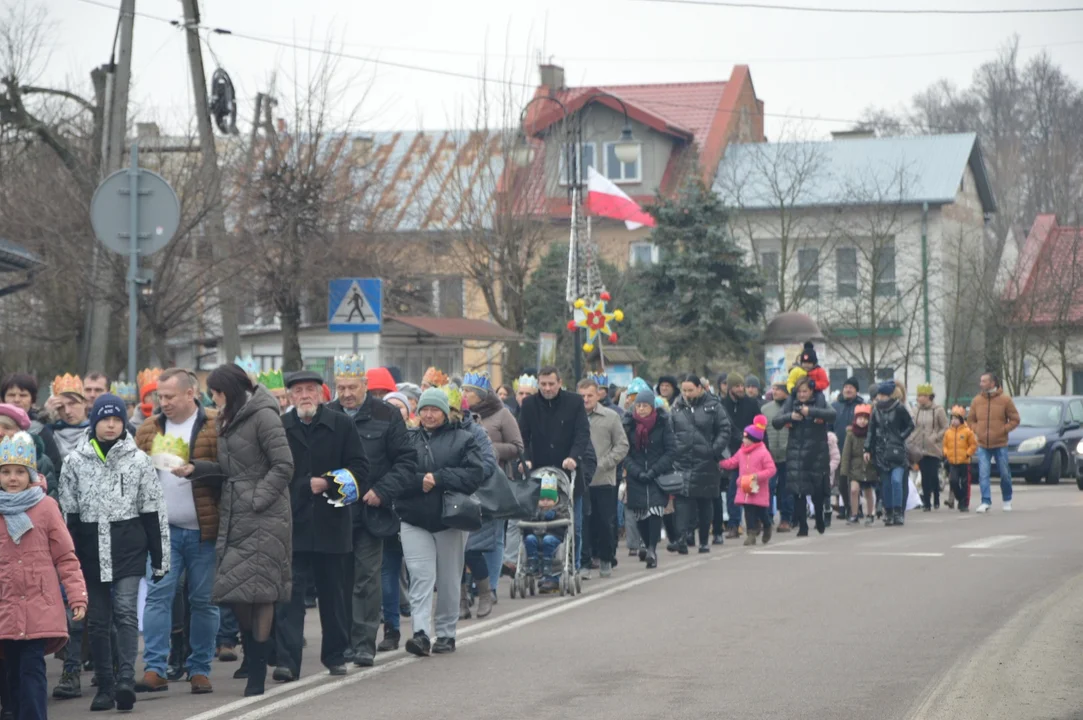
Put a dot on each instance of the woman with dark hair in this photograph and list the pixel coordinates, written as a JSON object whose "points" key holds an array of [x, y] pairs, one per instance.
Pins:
{"points": [[21, 390], [255, 532], [808, 460], [702, 428]]}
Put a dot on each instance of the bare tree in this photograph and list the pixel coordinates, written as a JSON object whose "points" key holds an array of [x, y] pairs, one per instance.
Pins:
{"points": [[775, 192]]}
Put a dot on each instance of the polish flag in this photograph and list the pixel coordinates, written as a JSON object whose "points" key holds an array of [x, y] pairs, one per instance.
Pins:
{"points": [[605, 199]]}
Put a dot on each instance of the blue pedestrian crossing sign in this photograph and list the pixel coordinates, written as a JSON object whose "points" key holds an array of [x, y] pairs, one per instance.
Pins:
{"points": [[355, 305]]}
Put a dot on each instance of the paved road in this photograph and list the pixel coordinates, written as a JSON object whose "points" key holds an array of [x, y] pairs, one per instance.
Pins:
{"points": [[953, 616]]}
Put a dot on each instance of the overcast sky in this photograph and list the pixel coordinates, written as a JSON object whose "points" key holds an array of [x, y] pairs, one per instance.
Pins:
{"points": [[813, 65]]}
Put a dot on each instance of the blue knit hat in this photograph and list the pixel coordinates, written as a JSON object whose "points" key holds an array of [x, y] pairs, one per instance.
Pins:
{"points": [[106, 406], [887, 388]]}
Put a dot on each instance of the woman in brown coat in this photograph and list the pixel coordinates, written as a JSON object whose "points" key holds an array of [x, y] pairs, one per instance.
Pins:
{"points": [[255, 529], [927, 444]]}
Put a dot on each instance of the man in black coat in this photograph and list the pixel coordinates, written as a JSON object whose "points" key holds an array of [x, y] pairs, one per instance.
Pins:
{"points": [[321, 440], [556, 433], [742, 411], [392, 462]]}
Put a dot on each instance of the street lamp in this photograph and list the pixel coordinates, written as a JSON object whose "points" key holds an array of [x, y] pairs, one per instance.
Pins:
{"points": [[626, 150]]}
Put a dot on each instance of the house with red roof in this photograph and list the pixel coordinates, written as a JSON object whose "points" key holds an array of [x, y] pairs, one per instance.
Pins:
{"points": [[1046, 299], [681, 129]]}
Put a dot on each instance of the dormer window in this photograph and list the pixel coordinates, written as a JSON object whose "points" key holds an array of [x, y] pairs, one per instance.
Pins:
{"points": [[587, 159], [622, 172]]}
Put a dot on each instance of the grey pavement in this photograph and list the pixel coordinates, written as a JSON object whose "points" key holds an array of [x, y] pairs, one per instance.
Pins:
{"points": [[952, 616]]}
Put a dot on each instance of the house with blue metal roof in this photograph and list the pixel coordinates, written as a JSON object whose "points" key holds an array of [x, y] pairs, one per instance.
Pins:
{"points": [[879, 239]]}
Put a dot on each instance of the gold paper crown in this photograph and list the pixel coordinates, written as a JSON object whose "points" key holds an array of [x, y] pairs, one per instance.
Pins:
{"points": [[67, 383], [19, 450], [272, 380], [350, 366], [146, 377], [125, 391], [454, 396], [435, 377], [169, 445]]}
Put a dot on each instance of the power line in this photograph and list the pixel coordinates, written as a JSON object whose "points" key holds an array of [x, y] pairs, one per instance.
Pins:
{"points": [[485, 79], [867, 11]]}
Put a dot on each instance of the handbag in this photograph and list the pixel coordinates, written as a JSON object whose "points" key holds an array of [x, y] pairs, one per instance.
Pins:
{"points": [[499, 500], [674, 483], [381, 522], [461, 511]]}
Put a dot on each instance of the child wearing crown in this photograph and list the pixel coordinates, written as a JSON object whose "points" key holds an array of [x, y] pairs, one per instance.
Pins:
{"points": [[36, 556], [112, 499]]}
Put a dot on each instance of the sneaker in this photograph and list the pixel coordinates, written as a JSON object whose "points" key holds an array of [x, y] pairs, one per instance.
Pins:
{"points": [[869, 521], [103, 700], [718, 540], [443, 646], [983, 508], [852, 520], [682, 548], [152, 682], [652, 559], [68, 688], [584, 574], [227, 653], [1008, 506], [419, 644], [606, 570], [125, 695], [632, 552]]}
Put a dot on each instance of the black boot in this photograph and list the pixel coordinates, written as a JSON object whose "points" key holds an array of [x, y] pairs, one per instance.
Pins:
{"points": [[255, 654], [899, 518]]}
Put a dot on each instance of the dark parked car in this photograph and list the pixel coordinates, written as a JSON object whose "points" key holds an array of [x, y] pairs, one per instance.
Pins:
{"points": [[1045, 443]]}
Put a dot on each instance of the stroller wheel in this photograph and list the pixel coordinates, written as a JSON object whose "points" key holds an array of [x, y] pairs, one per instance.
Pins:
{"points": [[578, 585], [563, 584], [512, 588], [533, 586]]}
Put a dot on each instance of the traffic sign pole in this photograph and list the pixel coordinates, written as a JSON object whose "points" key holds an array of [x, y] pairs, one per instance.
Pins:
{"points": [[133, 260]]}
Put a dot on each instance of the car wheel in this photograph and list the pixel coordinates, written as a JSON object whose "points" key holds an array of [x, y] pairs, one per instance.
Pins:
{"points": [[1032, 479], [1056, 468]]}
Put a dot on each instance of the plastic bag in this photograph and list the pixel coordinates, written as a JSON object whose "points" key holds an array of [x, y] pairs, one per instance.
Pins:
{"points": [[913, 500]]}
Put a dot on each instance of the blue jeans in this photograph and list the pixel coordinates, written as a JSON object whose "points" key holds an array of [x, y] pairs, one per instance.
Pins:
{"points": [[578, 532], [495, 558], [731, 501], [24, 661], [985, 471], [549, 545], [188, 553], [892, 488], [229, 630], [390, 570], [783, 497]]}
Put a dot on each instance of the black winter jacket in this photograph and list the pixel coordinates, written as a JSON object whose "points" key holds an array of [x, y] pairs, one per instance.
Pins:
{"points": [[454, 458], [742, 412], [329, 443], [844, 415], [391, 456], [808, 460], [644, 466], [554, 429], [702, 429], [888, 429]]}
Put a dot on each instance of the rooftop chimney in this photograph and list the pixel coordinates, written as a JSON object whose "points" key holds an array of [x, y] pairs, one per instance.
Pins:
{"points": [[552, 76], [146, 130], [856, 134]]}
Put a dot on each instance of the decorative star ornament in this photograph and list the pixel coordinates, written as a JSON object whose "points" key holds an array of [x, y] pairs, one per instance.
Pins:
{"points": [[596, 319]]}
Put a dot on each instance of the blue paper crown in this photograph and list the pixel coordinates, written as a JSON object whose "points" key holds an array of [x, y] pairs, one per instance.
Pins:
{"points": [[247, 363], [601, 378], [126, 392], [479, 380], [350, 366], [19, 450], [344, 491]]}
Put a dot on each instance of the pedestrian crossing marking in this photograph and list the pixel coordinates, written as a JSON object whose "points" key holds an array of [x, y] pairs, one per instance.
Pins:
{"points": [[994, 541]]}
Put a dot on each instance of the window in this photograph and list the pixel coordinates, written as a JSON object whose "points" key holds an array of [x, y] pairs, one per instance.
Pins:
{"points": [[642, 254], [885, 270], [808, 273], [586, 158], [837, 377], [846, 273], [1077, 382], [1076, 409], [617, 171], [769, 267], [448, 300]]}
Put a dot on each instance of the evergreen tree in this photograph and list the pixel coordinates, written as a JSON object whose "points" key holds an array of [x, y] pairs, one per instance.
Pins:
{"points": [[704, 301]]}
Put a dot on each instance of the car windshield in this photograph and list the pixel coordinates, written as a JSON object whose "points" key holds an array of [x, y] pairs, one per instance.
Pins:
{"points": [[1034, 413]]}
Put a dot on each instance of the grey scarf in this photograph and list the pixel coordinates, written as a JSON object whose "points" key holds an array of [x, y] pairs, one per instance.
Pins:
{"points": [[13, 507]]}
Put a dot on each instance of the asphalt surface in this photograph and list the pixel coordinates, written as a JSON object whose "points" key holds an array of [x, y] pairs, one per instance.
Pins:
{"points": [[951, 616]]}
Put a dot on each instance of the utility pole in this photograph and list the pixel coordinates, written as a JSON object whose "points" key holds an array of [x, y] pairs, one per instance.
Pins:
{"points": [[209, 179], [117, 82]]}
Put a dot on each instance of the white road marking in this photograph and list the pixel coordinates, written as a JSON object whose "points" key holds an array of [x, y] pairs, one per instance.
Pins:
{"points": [[903, 554], [535, 611], [1016, 556], [994, 541], [788, 552]]}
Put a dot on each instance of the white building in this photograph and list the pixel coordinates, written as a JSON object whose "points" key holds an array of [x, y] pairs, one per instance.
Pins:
{"points": [[871, 236]]}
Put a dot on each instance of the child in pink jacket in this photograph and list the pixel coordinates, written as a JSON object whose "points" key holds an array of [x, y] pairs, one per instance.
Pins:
{"points": [[35, 548], [755, 470]]}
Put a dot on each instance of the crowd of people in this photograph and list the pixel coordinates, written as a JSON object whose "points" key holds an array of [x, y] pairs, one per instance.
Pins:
{"points": [[234, 506]]}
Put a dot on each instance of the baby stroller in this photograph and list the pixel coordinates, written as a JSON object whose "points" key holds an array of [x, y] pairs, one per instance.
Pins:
{"points": [[569, 581]]}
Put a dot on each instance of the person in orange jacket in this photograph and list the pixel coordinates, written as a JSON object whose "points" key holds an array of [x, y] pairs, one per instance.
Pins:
{"points": [[960, 446]]}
